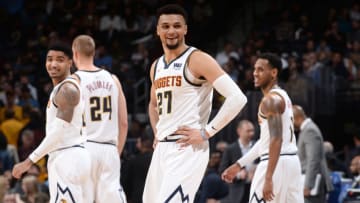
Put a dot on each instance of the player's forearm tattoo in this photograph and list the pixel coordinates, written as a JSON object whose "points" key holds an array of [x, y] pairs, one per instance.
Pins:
{"points": [[275, 126]]}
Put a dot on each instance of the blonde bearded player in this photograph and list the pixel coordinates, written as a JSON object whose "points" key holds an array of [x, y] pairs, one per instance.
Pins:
{"points": [[180, 104], [105, 120], [277, 178], [68, 163]]}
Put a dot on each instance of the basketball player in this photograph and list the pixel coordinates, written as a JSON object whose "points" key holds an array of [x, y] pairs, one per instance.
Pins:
{"points": [[278, 175], [69, 162], [180, 104], [105, 120]]}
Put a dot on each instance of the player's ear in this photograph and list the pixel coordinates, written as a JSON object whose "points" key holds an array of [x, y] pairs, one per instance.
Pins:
{"points": [[157, 30], [186, 29], [71, 62], [274, 73]]}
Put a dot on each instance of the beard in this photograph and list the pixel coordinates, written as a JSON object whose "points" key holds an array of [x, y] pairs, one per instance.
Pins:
{"points": [[172, 46]]}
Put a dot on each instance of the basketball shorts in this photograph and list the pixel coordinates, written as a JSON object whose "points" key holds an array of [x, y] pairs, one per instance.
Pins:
{"points": [[69, 172], [105, 172], [175, 173], [287, 185]]}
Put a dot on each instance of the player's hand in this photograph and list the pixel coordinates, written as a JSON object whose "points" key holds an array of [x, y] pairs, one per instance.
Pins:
{"points": [[191, 136], [21, 167], [230, 173], [306, 192], [268, 194], [242, 174]]}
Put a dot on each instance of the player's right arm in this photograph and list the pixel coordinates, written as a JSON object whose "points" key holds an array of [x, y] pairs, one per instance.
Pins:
{"points": [[122, 115], [153, 112], [66, 99]]}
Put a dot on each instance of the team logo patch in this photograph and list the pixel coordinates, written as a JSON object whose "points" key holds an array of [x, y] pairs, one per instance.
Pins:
{"points": [[178, 190], [257, 199], [177, 66], [64, 193]]}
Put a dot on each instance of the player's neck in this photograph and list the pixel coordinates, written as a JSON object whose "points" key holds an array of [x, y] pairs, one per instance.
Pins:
{"points": [[171, 54], [88, 66], [56, 81], [271, 86]]}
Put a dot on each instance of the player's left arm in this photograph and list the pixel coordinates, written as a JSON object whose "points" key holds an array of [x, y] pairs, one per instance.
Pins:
{"points": [[202, 65], [122, 115], [66, 99], [230, 173], [272, 106]]}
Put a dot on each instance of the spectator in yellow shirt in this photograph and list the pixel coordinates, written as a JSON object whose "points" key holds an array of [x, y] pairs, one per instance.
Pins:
{"points": [[11, 127]]}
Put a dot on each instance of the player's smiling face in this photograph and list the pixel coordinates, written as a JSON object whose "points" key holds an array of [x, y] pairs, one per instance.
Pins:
{"points": [[171, 29], [57, 64], [263, 73]]}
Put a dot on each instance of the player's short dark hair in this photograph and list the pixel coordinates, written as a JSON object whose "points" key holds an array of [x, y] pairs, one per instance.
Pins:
{"points": [[172, 9], [63, 48], [274, 60]]}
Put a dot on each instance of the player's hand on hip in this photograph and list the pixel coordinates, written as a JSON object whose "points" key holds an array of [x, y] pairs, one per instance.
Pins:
{"points": [[230, 173], [191, 136], [268, 194], [21, 167], [155, 143]]}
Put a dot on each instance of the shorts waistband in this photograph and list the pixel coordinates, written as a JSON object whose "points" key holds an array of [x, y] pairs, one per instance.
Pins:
{"points": [[265, 157], [78, 145], [172, 138], [106, 143]]}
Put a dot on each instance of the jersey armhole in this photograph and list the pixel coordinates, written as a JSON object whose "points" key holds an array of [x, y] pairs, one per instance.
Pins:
{"points": [[189, 77], [155, 66], [77, 76]]}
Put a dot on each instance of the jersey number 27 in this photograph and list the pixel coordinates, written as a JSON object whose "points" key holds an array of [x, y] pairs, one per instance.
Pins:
{"points": [[162, 96]]}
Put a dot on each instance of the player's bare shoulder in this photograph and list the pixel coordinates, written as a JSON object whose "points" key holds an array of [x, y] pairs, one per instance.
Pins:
{"points": [[272, 103], [198, 57], [67, 94], [203, 65]]}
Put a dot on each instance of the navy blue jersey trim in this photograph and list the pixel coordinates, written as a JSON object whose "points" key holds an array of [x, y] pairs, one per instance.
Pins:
{"points": [[106, 143], [167, 65]]}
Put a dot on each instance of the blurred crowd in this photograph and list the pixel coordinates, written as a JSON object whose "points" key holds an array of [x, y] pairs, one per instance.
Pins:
{"points": [[319, 45]]}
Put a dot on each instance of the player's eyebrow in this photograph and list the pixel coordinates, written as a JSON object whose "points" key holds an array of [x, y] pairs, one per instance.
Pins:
{"points": [[60, 57]]}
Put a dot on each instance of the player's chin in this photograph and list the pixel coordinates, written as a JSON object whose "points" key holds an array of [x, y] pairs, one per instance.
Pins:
{"points": [[53, 75], [172, 45]]}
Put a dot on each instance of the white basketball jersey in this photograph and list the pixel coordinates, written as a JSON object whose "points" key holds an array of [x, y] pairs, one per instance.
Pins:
{"points": [[100, 94], [73, 133], [182, 99], [288, 136]]}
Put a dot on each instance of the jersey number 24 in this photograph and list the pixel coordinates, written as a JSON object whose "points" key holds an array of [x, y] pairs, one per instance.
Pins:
{"points": [[99, 106]]}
